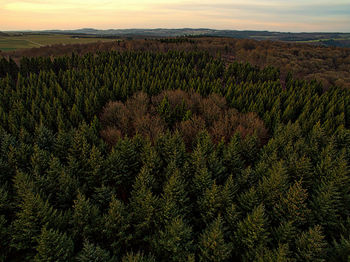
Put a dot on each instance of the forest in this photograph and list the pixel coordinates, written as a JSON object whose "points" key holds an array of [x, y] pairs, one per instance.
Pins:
{"points": [[329, 65], [172, 155]]}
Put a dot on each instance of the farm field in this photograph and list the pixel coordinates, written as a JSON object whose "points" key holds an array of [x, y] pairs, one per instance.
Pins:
{"points": [[14, 42]]}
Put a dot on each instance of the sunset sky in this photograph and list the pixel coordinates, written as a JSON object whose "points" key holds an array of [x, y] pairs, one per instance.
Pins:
{"points": [[273, 15]]}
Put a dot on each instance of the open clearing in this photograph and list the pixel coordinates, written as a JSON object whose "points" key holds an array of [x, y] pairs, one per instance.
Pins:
{"points": [[9, 43]]}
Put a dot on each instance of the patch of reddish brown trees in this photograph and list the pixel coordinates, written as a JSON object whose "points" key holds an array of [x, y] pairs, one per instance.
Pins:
{"points": [[189, 114]]}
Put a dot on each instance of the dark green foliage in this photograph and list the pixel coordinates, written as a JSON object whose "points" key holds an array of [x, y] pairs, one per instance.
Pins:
{"points": [[252, 235], [54, 246], [116, 226], [123, 163], [33, 214], [4, 238], [311, 246], [85, 219], [183, 171], [137, 257], [175, 201], [174, 242], [143, 206], [341, 250], [212, 245], [92, 253]]}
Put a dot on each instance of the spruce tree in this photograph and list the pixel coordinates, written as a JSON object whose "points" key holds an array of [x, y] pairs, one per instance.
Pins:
{"points": [[175, 201], [54, 246], [93, 253], [116, 229], [251, 236], [212, 245], [311, 245], [174, 242]]}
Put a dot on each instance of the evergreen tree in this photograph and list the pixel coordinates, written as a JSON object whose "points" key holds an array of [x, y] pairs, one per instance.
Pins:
{"points": [[212, 245], [116, 226], [85, 219], [252, 235], [4, 238], [174, 243], [175, 201], [311, 246], [54, 246], [32, 215], [143, 209], [341, 250], [93, 253], [325, 205], [137, 257]]}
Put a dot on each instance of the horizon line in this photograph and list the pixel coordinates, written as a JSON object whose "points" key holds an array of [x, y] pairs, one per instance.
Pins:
{"points": [[175, 28]]}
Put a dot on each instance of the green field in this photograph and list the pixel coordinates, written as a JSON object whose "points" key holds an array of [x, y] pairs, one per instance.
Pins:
{"points": [[321, 40], [10, 43]]}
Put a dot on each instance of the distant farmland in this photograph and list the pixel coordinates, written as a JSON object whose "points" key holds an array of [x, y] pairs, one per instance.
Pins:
{"points": [[14, 42]]}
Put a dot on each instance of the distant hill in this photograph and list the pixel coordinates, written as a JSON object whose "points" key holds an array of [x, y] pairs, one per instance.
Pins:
{"points": [[319, 38], [3, 34]]}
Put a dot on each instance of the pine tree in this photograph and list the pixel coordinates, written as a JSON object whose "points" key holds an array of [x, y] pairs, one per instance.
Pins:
{"points": [[116, 226], [93, 253], [293, 206], [175, 201], [33, 214], [273, 186], [212, 245], [280, 254], [201, 181], [75, 115], [143, 208], [341, 250], [95, 175], [44, 138], [210, 204], [231, 218], [4, 238], [252, 235], [232, 156], [326, 206], [248, 200], [85, 219], [63, 141], [137, 257], [285, 233], [68, 188], [311, 246], [174, 243], [54, 246], [124, 163]]}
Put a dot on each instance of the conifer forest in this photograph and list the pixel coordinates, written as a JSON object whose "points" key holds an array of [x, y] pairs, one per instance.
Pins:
{"points": [[147, 156]]}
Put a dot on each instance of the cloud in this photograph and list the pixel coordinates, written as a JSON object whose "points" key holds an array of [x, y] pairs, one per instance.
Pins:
{"points": [[279, 15], [290, 8], [275, 15]]}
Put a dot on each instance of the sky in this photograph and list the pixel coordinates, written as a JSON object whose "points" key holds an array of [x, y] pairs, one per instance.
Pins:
{"points": [[272, 15]]}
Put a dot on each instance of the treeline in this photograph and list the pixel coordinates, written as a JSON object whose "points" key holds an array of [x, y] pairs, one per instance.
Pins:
{"points": [[177, 40], [329, 65], [203, 161]]}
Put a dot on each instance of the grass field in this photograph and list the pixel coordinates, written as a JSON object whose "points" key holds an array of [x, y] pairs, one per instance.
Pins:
{"points": [[9, 43], [321, 40]]}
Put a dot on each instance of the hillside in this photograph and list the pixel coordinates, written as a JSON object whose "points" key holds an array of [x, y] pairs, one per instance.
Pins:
{"points": [[329, 65], [319, 38]]}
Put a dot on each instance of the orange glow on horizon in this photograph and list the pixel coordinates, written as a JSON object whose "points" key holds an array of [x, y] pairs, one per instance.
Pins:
{"points": [[252, 15]]}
